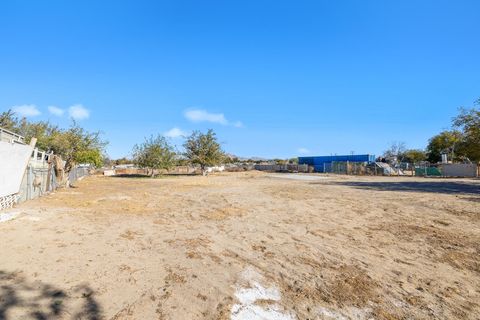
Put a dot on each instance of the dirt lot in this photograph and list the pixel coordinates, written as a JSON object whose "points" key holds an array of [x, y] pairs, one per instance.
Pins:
{"points": [[245, 246]]}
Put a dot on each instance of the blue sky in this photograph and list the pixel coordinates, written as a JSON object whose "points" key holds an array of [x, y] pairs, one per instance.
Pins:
{"points": [[272, 78]]}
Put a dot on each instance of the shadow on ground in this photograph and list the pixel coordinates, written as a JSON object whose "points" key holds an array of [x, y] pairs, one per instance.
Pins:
{"points": [[446, 187], [23, 299], [142, 176]]}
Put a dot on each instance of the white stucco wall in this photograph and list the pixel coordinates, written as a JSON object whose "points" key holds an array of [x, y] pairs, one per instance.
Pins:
{"points": [[459, 170], [14, 158]]}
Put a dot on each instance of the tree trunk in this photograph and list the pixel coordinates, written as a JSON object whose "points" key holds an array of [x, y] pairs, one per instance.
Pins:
{"points": [[59, 171]]}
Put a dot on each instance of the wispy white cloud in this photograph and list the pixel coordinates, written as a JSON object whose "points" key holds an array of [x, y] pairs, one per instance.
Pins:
{"points": [[303, 151], [175, 133], [56, 111], [26, 110], [238, 124], [200, 115], [78, 112]]}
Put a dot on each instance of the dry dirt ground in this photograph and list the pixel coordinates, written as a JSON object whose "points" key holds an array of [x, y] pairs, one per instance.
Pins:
{"points": [[245, 246]]}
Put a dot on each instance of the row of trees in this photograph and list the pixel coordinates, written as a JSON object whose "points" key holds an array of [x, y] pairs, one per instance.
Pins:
{"points": [[460, 143], [74, 145], [156, 153]]}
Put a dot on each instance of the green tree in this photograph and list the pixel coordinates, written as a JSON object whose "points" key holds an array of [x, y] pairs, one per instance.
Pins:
{"points": [[93, 157], [74, 145], [203, 149], [444, 142], [154, 153], [123, 160], [42, 130], [468, 122], [414, 156], [280, 161], [9, 121], [182, 161], [230, 158]]}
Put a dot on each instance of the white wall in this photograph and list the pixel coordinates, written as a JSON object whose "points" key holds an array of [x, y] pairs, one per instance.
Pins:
{"points": [[459, 170], [14, 158]]}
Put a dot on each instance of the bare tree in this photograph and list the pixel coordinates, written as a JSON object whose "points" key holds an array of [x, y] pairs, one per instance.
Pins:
{"points": [[395, 152]]}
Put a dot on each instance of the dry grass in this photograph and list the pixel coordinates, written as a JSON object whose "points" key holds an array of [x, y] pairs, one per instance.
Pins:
{"points": [[176, 247]]}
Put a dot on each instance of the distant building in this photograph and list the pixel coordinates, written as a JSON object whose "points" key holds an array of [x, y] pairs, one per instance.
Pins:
{"points": [[324, 163]]}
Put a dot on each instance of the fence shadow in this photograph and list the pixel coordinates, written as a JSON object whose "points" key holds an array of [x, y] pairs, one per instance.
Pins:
{"points": [[445, 187], [23, 299]]}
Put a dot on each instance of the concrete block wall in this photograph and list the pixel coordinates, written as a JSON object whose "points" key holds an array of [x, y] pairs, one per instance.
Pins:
{"points": [[459, 170]]}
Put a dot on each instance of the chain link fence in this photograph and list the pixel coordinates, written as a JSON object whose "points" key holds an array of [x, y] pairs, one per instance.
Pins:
{"points": [[39, 179], [350, 168], [78, 173]]}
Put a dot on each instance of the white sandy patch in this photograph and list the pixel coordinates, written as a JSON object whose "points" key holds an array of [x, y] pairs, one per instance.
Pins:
{"points": [[7, 216], [352, 313], [26, 214], [254, 292], [301, 177], [330, 314], [116, 198]]}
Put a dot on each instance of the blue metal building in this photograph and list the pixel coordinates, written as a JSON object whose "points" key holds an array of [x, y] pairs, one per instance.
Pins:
{"points": [[324, 163]]}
